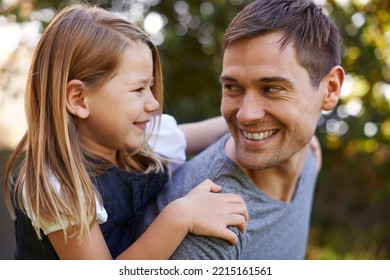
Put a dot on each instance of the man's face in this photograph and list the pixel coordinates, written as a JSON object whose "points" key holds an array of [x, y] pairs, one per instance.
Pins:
{"points": [[268, 101]]}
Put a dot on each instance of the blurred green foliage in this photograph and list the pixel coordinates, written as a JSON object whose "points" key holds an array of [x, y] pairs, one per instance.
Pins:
{"points": [[351, 215]]}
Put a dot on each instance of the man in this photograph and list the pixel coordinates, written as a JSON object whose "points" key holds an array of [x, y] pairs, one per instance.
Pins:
{"points": [[281, 68]]}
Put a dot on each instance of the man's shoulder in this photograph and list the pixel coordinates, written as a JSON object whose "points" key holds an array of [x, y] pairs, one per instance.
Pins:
{"points": [[215, 150], [205, 164], [195, 247]]}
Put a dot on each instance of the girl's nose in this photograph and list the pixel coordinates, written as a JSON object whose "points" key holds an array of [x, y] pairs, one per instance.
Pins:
{"points": [[151, 104]]}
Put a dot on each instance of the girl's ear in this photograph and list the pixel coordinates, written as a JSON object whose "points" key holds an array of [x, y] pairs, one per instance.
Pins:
{"points": [[75, 103], [334, 80]]}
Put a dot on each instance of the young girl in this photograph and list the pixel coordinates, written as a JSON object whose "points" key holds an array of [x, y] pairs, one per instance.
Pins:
{"points": [[86, 170]]}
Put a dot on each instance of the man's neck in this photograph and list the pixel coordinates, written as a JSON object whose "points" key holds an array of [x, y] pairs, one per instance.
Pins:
{"points": [[279, 181]]}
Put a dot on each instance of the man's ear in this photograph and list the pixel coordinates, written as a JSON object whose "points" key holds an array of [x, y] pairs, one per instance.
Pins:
{"points": [[75, 103], [334, 80]]}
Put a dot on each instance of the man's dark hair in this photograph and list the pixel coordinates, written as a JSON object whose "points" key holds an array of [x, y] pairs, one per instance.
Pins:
{"points": [[314, 35]]}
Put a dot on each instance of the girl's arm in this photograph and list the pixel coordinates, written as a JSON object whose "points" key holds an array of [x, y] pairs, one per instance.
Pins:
{"points": [[200, 135], [201, 211]]}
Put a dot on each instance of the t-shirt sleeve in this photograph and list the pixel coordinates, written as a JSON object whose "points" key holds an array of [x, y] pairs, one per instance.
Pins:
{"points": [[196, 247], [101, 213], [169, 142]]}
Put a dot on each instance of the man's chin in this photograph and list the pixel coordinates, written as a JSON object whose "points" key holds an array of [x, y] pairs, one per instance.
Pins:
{"points": [[254, 162]]}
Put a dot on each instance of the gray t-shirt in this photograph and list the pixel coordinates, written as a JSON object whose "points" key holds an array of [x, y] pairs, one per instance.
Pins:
{"points": [[276, 230]]}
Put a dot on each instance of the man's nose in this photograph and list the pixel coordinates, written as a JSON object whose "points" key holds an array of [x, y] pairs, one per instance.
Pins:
{"points": [[251, 108]]}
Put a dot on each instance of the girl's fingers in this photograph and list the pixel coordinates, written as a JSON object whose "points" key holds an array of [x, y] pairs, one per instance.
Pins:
{"points": [[209, 186]]}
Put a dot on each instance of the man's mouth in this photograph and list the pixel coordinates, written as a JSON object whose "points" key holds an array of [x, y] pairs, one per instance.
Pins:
{"points": [[259, 135]]}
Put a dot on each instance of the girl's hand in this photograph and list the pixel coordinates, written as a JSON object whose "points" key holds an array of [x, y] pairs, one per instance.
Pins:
{"points": [[207, 212]]}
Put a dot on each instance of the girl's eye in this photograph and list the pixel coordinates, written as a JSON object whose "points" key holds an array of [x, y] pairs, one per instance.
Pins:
{"points": [[140, 90], [144, 88]]}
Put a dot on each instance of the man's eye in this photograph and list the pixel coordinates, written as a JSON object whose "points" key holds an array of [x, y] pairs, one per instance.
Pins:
{"points": [[229, 87], [272, 89]]}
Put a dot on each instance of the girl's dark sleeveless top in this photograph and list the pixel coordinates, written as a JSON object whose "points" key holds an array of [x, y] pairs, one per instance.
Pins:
{"points": [[124, 196]]}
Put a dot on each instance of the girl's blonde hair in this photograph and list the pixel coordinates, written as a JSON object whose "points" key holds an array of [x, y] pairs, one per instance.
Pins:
{"points": [[85, 43]]}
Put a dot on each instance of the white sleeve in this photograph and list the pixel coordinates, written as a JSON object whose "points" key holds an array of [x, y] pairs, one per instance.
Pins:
{"points": [[169, 142], [101, 213]]}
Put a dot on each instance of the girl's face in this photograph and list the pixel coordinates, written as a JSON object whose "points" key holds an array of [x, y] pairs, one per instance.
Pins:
{"points": [[120, 110]]}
